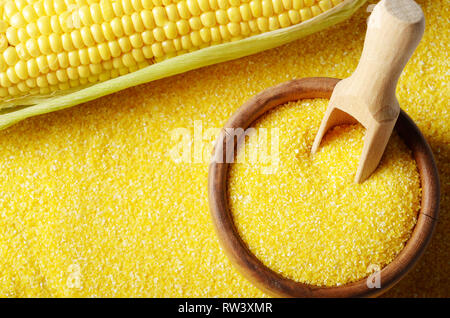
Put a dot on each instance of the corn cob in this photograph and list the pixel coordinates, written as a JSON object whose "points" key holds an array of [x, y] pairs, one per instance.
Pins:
{"points": [[53, 52]]}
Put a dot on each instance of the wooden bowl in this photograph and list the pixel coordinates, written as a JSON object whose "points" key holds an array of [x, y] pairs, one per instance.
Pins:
{"points": [[247, 263]]}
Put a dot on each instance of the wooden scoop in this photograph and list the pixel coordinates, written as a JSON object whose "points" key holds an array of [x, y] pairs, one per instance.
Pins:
{"points": [[394, 30]]}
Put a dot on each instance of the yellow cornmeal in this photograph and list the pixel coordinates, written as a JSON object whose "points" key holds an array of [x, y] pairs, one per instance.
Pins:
{"points": [[92, 205], [308, 220]]}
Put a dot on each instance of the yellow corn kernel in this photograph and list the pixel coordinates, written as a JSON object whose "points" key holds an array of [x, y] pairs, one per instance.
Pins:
{"points": [[193, 7], [196, 38], [157, 50], [245, 12], [325, 5], [29, 14], [214, 5], [86, 36], [147, 37], [127, 25], [22, 87], [277, 6], [62, 75], [85, 16], [138, 55], [10, 56], [284, 20], [215, 34], [172, 12], [147, 51], [66, 42], [263, 24], [96, 13], [273, 23], [104, 51], [205, 34], [287, 4], [183, 10], [182, 27], [158, 34], [186, 42], [204, 5], [32, 67], [256, 8], [52, 61], [12, 76], [116, 26], [44, 45], [147, 19], [77, 40], [55, 43], [117, 8], [223, 4], [124, 44], [160, 16], [52, 79], [234, 28], [21, 70], [298, 4], [245, 28], [74, 58], [22, 35], [10, 9], [107, 31], [96, 33], [222, 16], [94, 55], [225, 33], [84, 56], [107, 10], [13, 91], [315, 10], [136, 40], [234, 14], [12, 36], [63, 86], [306, 14], [267, 8], [170, 30], [83, 71], [63, 60], [67, 21], [208, 19], [138, 24], [294, 16], [137, 5], [3, 42], [4, 80], [31, 82], [195, 23], [17, 20], [127, 6], [55, 25]]}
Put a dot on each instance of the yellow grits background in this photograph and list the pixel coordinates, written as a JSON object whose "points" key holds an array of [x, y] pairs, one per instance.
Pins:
{"points": [[93, 205]]}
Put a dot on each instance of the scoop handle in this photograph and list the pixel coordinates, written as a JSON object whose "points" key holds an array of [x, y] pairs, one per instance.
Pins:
{"points": [[394, 30]]}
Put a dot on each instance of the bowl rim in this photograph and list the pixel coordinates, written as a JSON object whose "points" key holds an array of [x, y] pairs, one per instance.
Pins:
{"points": [[248, 264]]}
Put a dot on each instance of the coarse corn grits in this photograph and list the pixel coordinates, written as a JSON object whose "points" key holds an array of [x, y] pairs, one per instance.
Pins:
{"points": [[308, 220], [91, 203]]}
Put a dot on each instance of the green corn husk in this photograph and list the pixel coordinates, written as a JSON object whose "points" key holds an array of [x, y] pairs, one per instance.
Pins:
{"points": [[33, 106]]}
